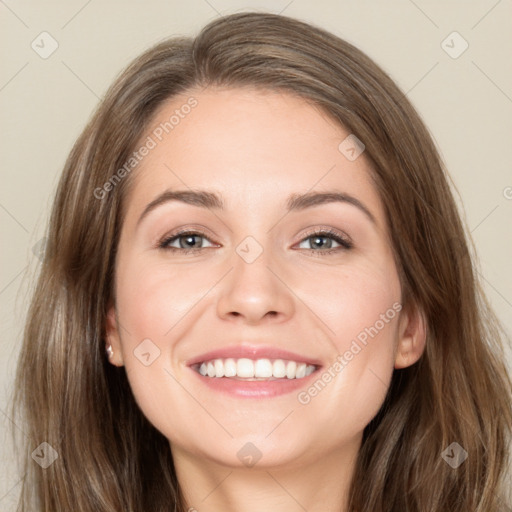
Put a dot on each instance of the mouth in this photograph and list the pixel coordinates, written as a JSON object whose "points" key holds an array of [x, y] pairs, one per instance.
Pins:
{"points": [[246, 369], [253, 371]]}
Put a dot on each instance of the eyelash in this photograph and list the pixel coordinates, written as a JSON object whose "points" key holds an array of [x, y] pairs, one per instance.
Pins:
{"points": [[345, 244]]}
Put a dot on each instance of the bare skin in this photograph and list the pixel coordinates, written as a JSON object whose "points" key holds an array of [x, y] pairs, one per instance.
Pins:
{"points": [[255, 149]]}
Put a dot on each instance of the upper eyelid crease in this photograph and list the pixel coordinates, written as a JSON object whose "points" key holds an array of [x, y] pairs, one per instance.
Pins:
{"points": [[296, 202]]}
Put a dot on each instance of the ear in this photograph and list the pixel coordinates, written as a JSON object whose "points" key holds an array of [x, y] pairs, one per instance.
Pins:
{"points": [[112, 337], [412, 335]]}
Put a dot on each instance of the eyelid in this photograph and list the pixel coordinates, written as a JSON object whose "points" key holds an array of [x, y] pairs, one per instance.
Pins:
{"points": [[196, 229], [341, 238], [324, 231], [161, 243]]}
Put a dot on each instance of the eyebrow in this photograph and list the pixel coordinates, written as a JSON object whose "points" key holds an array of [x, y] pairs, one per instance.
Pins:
{"points": [[296, 202]]}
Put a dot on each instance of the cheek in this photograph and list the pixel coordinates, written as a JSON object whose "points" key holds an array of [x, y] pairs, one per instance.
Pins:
{"points": [[153, 299], [154, 303], [359, 310], [356, 302]]}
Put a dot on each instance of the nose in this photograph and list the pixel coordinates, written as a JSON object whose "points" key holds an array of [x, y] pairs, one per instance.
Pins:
{"points": [[255, 292]]}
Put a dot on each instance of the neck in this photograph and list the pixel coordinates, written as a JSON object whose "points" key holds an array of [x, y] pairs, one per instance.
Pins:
{"points": [[319, 482]]}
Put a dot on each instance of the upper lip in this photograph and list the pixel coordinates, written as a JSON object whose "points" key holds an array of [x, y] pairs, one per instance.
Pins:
{"points": [[252, 352]]}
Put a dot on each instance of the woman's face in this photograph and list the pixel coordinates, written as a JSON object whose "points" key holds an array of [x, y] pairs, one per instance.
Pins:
{"points": [[257, 280]]}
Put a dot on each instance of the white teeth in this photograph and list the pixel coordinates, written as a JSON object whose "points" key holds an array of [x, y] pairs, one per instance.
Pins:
{"points": [[245, 368], [219, 368], [279, 369], [291, 369], [301, 371], [229, 367], [263, 368]]}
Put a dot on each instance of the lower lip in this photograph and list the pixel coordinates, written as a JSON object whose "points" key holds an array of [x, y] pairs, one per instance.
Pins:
{"points": [[255, 388]]}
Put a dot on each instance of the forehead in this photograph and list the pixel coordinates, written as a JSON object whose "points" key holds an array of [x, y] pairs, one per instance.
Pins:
{"points": [[254, 148]]}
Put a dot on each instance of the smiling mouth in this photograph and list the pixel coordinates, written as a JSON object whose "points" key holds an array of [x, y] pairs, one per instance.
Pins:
{"points": [[245, 369]]}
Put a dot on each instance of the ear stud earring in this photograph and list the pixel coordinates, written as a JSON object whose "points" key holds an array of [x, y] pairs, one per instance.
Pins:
{"points": [[110, 351]]}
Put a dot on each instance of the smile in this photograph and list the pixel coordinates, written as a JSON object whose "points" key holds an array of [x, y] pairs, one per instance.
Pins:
{"points": [[249, 369]]}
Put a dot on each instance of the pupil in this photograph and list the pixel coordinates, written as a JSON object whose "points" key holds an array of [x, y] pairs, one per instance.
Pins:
{"points": [[316, 241], [189, 240]]}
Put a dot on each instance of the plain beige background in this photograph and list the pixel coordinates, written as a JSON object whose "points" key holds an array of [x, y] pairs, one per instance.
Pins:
{"points": [[466, 101]]}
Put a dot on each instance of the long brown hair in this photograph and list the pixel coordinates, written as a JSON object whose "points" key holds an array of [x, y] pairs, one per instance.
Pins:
{"points": [[109, 456]]}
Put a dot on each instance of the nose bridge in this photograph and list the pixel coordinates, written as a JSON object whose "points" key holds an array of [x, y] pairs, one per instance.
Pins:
{"points": [[252, 289]]}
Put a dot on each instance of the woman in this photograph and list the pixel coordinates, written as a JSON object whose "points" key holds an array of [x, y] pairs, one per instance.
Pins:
{"points": [[326, 346]]}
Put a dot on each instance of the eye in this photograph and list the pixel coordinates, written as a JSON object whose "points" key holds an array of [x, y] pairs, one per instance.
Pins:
{"points": [[323, 240], [187, 241]]}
